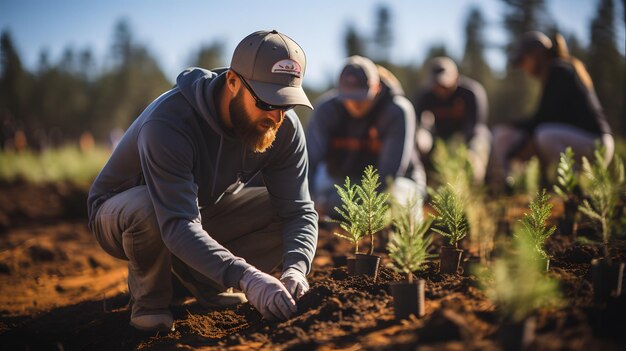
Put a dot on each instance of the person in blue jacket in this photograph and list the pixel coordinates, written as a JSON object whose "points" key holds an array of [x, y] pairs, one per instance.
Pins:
{"points": [[173, 200], [569, 112], [366, 120]]}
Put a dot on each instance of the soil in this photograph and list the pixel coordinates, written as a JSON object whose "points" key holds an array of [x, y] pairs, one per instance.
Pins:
{"points": [[60, 291]]}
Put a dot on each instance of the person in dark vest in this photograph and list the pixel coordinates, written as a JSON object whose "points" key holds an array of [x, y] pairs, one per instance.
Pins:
{"points": [[454, 106], [366, 120], [569, 112]]}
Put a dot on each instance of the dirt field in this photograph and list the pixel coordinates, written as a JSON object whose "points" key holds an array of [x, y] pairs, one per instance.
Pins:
{"points": [[60, 291]]}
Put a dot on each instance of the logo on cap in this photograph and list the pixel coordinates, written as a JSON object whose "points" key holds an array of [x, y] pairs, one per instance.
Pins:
{"points": [[287, 66]]}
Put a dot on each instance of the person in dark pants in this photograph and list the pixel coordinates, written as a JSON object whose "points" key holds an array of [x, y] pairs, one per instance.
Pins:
{"points": [[454, 106], [569, 112], [367, 120], [173, 200]]}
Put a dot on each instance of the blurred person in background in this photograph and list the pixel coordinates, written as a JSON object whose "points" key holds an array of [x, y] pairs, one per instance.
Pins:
{"points": [[454, 106], [172, 199], [569, 112], [366, 120]]}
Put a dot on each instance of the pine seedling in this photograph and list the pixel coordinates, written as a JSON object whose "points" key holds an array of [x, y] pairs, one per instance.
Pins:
{"points": [[566, 188], [451, 163], [532, 176], [349, 211], [516, 282], [409, 242], [534, 223], [450, 219], [373, 204], [364, 209], [567, 179], [604, 188]]}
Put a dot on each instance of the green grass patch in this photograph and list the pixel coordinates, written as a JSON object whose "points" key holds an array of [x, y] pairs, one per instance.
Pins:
{"points": [[67, 163]]}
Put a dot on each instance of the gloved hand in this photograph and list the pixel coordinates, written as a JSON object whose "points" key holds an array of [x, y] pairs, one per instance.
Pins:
{"points": [[295, 282], [267, 294]]}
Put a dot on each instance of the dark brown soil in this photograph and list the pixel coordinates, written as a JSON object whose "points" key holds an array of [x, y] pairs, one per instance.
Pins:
{"points": [[59, 291]]}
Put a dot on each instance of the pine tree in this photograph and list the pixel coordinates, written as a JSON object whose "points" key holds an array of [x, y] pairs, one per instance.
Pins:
{"points": [[606, 65], [474, 64]]}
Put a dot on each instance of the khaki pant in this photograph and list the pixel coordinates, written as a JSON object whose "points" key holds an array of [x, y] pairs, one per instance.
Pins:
{"points": [[126, 227]]}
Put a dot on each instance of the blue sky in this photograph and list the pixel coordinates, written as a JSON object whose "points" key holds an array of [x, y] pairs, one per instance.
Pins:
{"points": [[172, 30]]}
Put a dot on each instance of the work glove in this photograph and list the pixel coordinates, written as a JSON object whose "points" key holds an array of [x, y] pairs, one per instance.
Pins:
{"points": [[295, 282], [267, 294]]}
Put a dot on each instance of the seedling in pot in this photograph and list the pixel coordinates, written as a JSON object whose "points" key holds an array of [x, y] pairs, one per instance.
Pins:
{"points": [[364, 212], [517, 285], [408, 248], [565, 188], [604, 187], [534, 226], [451, 222]]}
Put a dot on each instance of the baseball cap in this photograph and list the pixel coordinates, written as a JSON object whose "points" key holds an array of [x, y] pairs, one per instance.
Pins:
{"points": [[273, 65], [528, 41], [358, 79], [444, 72]]}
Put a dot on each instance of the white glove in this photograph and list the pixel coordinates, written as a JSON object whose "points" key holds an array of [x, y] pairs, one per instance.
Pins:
{"points": [[295, 282], [267, 294]]}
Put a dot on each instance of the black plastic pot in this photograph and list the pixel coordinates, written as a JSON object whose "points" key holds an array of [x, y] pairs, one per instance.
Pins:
{"points": [[365, 264], [408, 298], [567, 224], [516, 336], [350, 264], [468, 265], [340, 260], [449, 259], [606, 279]]}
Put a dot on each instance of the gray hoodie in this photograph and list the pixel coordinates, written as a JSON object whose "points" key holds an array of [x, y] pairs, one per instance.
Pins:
{"points": [[179, 148]]}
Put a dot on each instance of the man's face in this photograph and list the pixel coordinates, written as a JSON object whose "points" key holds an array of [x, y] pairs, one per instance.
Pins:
{"points": [[443, 92], [256, 128], [358, 108]]}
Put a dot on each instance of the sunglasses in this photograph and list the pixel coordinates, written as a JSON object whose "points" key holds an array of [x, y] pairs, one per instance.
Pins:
{"points": [[259, 103]]}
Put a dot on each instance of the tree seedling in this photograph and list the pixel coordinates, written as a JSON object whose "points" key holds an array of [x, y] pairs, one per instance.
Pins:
{"points": [[451, 222], [534, 226], [517, 285], [450, 219], [364, 209], [604, 187], [364, 212], [565, 188], [408, 248], [409, 242]]}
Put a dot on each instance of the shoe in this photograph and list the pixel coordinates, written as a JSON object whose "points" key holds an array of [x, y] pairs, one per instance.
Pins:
{"points": [[162, 322], [207, 295]]}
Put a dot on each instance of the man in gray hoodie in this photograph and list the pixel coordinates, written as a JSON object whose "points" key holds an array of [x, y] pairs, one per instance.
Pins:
{"points": [[172, 199]]}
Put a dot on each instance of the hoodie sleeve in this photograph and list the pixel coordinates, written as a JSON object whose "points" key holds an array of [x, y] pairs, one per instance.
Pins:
{"points": [[167, 160], [286, 178], [398, 139], [317, 136]]}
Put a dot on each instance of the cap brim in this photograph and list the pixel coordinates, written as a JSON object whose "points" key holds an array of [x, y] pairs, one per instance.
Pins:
{"points": [[354, 94], [280, 95]]}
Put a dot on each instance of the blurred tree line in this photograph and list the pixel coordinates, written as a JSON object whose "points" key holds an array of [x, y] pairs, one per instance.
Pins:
{"points": [[61, 100]]}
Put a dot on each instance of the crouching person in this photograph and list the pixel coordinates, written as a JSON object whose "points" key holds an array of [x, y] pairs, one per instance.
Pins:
{"points": [[173, 200]]}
